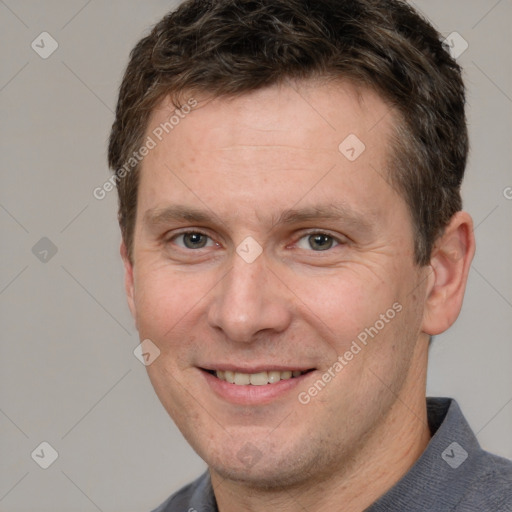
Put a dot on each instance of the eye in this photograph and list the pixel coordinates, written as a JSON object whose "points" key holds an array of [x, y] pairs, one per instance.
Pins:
{"points": [[317, 241], [193, 240]]}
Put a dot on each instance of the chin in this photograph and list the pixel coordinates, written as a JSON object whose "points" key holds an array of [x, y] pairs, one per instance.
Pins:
{"points": [[265, 477], [267, 467]]}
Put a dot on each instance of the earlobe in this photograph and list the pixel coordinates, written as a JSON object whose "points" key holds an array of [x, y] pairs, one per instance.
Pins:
{"points": [[128, 278], [449, 268]]}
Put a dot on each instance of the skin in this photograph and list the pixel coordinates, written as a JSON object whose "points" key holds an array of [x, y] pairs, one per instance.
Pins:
{"points": [[244, 161]]}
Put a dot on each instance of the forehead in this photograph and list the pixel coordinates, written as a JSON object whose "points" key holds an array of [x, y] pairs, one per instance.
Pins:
{"points": [[292, 111], [278, 146]]}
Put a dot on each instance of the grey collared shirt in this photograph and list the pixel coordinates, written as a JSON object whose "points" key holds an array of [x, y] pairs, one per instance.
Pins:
{"points": [[453, 474]]}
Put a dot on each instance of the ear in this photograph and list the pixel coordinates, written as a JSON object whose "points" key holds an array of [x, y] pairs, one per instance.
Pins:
{"points": [[128, 278], [449, 266]]}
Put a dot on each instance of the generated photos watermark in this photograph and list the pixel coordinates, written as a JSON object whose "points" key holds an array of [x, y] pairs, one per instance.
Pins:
{"points": [[149, 144], [356, 347]]}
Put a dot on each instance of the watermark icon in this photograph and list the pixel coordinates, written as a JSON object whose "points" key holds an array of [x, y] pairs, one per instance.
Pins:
{"points": [[149, 144], [44, 250], [351, 147], [507, 192], [249, 249], [146, 352], [44, 45], [44, 455], [356, 347], [249, 455], [454, 455], [455, 44]]}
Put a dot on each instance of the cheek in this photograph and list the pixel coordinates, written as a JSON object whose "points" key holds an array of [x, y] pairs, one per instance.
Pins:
{"points": [[344, 302], [166, 301]]}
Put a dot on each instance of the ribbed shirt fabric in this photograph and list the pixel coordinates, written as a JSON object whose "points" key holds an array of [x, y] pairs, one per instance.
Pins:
{"points": [[453, 474]]}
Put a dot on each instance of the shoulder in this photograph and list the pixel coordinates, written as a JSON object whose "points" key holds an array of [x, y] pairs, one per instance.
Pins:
{"points": [[492, 487], [194, 497]]}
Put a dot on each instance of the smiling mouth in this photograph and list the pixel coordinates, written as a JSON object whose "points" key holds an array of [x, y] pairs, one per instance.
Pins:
{"points": [[257, 379]]}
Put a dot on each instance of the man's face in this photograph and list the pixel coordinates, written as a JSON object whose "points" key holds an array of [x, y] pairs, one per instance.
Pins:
{"points": [[264, 172]]}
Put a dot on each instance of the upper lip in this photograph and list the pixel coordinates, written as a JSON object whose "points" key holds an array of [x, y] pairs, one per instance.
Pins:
{"points": [[256, 368]]}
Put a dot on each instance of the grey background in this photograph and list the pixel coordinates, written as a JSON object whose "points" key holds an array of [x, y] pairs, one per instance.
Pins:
{"points": [[68, 375]]}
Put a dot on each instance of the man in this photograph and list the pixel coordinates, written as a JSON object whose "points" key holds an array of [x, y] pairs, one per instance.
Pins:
{"points": [[289, 179]]}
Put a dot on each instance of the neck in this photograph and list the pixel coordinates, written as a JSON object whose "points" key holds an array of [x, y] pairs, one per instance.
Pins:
{"points": [[383, 458]]}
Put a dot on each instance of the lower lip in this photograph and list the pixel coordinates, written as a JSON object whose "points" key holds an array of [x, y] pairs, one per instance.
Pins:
{"points": [[249, 394]]}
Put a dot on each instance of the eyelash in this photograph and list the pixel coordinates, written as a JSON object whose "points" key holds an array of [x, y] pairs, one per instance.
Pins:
{"points": [[337, 240]]}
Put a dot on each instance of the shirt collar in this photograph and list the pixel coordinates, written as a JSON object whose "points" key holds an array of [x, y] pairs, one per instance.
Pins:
{"points": [[445, 470]]}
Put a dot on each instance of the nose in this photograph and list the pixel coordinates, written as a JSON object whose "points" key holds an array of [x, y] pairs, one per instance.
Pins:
{"points": [[249, 300]]}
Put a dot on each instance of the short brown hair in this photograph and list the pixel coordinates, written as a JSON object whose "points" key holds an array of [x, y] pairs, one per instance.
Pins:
{"points": [[229, 47]]}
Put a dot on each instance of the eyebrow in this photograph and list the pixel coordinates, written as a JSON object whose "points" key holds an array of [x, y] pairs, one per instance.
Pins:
{"points": [[334, 212], [156, 216]]}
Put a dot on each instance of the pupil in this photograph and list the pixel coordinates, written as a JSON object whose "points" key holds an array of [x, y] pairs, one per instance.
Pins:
{"points": [[321, 242]]}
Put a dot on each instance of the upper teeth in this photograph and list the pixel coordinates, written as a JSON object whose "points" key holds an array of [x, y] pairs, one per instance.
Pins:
{"points": [[256, 379]]}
